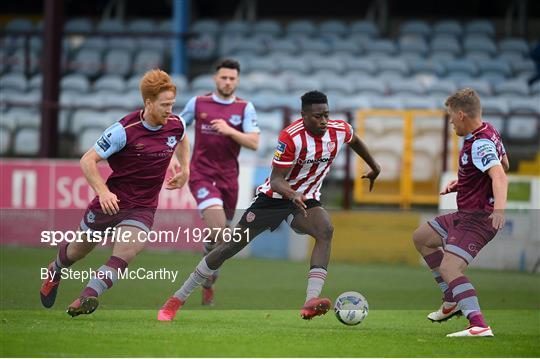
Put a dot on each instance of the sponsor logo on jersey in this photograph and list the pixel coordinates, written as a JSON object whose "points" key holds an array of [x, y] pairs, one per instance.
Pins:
{"points": [[280, 149], [472, 248], [488, 158], [202, 192], [90, 217], [314, 160], [331, 146], [235, 120], [103, 143], [171, 141], [464, 159]]}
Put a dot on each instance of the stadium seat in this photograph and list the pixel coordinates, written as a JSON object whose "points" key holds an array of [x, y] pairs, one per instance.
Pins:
{"points": [[332, 27], [5, 140], [18, 61], [79, 25], [523, 129], [482, 87], [495, 106], [523, 66], [428, 67], [301, 27], [516, 45], [464, 66], [405, 88], [13, 81], [285, 45], [250, 45], [336, 85], [203, 83], [165, 26], [441, 88], [272, 120], [363, 28], [447, 27], [300, 84], [262, 64], [445, 44], [379, 102], [331, 63], [111, 26], [370, 87], [496, 121], [141, 25], [122, 43], [496, 66], [96, 43], [514, 88], [480, 27], [263, 81], [361, 64], [75, 82], [352, 103], [315, 45], [88, 101], [19, 24], [417, 102], [346, 46], [535, 89], [236, 27], [292, 64], [206, 26], [415, 27], [20, 117], [86, 139], [267, 27], [413, 44], [147, 60], [110, 82], [118, 62], [88, 118], [526, 105], [87, 62], [479, 43], [380, 47], [26, 141], [393, 65]]}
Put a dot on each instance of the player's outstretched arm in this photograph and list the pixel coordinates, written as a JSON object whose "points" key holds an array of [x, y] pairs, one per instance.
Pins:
{"points": [[281, 186], [107, 199], [361, 150], [249, 140], [180, 173], [505, 163], [499, 183]]}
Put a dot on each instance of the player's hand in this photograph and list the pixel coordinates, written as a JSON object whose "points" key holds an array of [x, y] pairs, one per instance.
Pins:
{"points": [[299, 201], [497, 218], [178, 179], [221, 127], [174, 165], [450, 187], [109, 203], [371, 176]]}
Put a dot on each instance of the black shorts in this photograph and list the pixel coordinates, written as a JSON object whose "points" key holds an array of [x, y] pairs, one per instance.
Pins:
{"points": [[268, 213]]}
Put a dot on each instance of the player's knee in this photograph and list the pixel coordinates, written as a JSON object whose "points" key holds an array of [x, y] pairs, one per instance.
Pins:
{"points": [[326, 232], [419, 237]]}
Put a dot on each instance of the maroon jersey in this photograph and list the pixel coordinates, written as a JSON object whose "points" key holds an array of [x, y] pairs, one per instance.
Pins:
{"points": [[216, 156], [482, 149], [139, 156]]}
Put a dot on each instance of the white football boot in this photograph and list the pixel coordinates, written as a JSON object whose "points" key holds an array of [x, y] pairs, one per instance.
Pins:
{"points": [[473, 332], [445, 312]]}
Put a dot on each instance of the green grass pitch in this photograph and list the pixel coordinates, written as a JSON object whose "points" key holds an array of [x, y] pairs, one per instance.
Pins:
{"points": [[257, 312]]}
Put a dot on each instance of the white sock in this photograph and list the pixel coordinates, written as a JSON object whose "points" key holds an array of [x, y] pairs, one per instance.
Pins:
{"points": [[201, 274], [316, 279]]}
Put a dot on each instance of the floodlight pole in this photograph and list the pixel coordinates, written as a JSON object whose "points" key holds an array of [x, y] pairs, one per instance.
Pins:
{"points": [[181, 12]]}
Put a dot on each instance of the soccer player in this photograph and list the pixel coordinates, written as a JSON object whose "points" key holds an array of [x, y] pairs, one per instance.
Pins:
{"points": [[223, 124], [481, 199], [138, 149], [304, 153]]}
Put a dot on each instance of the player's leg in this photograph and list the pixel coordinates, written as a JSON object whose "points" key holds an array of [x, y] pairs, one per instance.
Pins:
{"points": [[461, 248], [105, 277], [428, 240], [68, 254], [318, 225], [214, 218]]}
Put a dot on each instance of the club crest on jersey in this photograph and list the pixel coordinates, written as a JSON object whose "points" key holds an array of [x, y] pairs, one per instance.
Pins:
{"points": [[235, 120], [250, 217], [171, 141], [90, 217], [202, 192], [464, 159], [331, 146]]}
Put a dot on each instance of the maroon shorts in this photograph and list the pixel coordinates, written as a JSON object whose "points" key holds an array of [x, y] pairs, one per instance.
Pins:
{"points": [[95, 220], [209, 193], [464, 234]]}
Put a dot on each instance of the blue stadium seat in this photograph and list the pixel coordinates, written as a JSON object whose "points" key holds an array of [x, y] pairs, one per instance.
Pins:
{"points": [[381, 102], [206, 26], [441, 88], [111, 83], [75, 82], [482, 87], [236, 27], [361, 64], [121, 43], [96, 43], [498, 66], [479, 43], [370, 87], [523, 129], [295, 64], [300, 84], [13, 81], [428, 67], [413, 44], [364, 28], [523, 66], [445, 43], [316, 45], [497, 121], [203, 84], [87, 62], [263, 64], [267, 27], [405, 88], [285, 45], [380, 47], [462, 66], [20, 24], [147, 60], [481, 27], [26, 141], [495, 106], [394, 65], [20, 117], [35, 82], [141, 25], [165, 26], [535, 89], [249, 45], [352, 103], [118, 62], [89, 118], [448, 27], [415, 27], [17, 60], [111, 25], [301, 27], [526, 105], [336, 84], [513, 88], [347, 45], [416, 102], [331, 63], [332, 27], [514, 45], [79, 25], [86, 139]]}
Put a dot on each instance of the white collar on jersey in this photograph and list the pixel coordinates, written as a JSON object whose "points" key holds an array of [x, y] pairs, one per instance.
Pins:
{"points": [[222, 101]]}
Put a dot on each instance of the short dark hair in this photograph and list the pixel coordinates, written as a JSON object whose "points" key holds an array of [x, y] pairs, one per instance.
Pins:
{"points": [[313, 97], [228, 64]]}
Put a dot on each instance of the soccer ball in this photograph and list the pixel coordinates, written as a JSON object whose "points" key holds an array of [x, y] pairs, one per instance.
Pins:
{"points": [[351, 308]]}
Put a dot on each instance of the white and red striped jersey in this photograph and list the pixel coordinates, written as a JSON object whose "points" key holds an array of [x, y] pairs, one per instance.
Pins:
{"points": [[308, 156]]}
